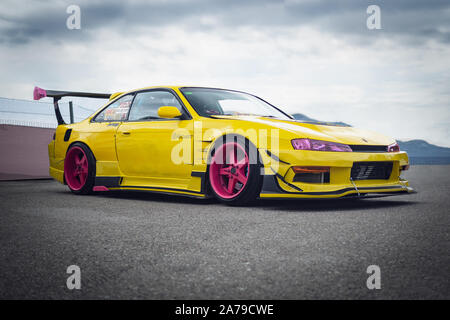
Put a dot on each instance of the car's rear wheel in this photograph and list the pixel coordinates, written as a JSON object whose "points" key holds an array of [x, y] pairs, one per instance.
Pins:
{"points": [[234, 175], [79, 169]]}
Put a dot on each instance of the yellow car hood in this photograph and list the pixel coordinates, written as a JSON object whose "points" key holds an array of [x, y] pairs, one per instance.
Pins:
{"points": [[318, 130]]}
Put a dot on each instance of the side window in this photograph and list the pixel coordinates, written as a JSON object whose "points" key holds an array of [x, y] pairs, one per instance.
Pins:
{"points": [[116, 111], [146, 105]]}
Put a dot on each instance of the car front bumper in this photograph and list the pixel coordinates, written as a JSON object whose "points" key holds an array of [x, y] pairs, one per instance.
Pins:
{"points": [[280, 181]]}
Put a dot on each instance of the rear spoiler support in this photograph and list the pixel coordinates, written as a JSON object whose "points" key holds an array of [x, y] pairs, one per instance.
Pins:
{"points": [[40, 93]]}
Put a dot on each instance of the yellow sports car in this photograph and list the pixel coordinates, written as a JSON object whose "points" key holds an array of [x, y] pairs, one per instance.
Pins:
{"points": [[204, 142]]}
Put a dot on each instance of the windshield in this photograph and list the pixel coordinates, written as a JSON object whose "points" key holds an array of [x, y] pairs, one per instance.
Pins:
{"points": [[215, 102]]}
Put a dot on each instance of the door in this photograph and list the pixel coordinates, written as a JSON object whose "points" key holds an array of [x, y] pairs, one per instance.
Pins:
{"points": [[102, 131], [148, 147]]}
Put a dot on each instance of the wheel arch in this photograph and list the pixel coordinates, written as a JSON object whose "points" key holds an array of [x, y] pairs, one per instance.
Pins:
{"points": [[83, 143], [67, 150], [217, 141], [86, 187], [253, 188]]}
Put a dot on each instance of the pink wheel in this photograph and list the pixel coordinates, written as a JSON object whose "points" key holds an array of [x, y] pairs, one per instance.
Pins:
{"points": [[228, 171], [76, 168]]}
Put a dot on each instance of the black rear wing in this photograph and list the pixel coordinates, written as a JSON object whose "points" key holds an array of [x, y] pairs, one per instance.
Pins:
{"points": [[40, 93]]}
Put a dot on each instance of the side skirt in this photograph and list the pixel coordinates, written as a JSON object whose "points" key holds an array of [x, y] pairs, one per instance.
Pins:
{"points": [[114, 183]]}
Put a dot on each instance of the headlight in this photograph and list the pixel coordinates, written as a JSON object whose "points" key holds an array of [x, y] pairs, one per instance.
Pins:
{"points": [[317, 145], [394, 147]]}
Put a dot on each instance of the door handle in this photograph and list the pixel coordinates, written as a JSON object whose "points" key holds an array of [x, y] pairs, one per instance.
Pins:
{"points": [[127, 133]]}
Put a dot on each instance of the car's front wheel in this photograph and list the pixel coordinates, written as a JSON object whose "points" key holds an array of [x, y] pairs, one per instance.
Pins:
{"points": [[234, 172], [79, 169]]}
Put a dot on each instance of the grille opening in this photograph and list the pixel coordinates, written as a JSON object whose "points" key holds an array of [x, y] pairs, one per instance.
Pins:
{"points": [[380, 170], [366, 148], [323, 177]]}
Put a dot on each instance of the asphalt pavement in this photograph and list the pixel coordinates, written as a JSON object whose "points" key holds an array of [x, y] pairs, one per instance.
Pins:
{"points": [[132, 245]]}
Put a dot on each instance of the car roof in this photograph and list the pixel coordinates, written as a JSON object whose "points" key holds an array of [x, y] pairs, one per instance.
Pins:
{"points": [[178, 87], [162, 87]]}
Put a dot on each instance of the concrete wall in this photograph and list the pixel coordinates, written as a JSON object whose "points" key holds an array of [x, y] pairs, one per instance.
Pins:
{"points": [[23, 152]]}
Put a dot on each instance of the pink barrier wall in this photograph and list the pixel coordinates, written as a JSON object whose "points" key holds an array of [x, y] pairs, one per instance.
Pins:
{"points": [[23, 152]]}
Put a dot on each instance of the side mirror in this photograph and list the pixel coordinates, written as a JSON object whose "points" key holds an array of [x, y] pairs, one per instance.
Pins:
{"points": [[169, 112]]}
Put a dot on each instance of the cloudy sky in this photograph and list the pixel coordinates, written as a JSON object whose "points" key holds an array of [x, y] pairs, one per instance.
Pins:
{"points": [[313, 57]]}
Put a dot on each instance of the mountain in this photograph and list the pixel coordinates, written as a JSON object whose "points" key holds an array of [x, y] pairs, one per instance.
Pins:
{"points": [[422, 152], [421, 148], [302, 117], [419, 151]]}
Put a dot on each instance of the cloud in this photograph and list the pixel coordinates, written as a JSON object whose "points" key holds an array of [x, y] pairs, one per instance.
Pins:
{"points": [[412, 21], [314, 57]]}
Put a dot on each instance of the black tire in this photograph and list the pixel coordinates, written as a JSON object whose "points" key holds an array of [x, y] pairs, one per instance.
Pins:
{"points": [[252, 188], [88, 186]]}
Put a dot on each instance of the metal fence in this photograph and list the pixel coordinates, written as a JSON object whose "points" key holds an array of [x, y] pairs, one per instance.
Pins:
{"points": [[39, 114], [23, 123]]}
